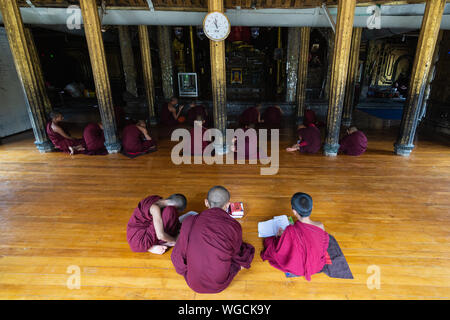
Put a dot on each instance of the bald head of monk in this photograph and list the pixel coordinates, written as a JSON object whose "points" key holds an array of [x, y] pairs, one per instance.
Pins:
{"points": [[56, 116], [352, 130], [199, 120], [302, 204], [177, 200], [218, 197]]}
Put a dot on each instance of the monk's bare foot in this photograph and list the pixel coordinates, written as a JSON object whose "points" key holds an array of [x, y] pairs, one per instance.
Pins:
{"points": [[158, 249], [71, 151], [291, 149]]}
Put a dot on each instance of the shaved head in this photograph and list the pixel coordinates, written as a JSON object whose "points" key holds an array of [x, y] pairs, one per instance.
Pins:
{"points": [[218, 197], [179, 201], [352, 129]]}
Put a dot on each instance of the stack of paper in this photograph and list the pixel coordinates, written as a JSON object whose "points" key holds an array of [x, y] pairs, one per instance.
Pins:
{"points": [[270, 228], [236, 210]]}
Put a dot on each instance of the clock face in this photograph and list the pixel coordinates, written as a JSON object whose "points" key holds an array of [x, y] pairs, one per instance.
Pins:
{"points": [[216, 26]]}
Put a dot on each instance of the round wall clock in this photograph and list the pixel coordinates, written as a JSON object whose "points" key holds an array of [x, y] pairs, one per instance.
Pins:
{"points": [[216, 26]]}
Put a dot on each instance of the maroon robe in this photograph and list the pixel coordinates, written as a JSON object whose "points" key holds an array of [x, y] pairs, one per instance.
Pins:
{"points": [[141, 234], [133, 141], [272, 116], [95, 140], [311, 141], [310, 118], [60, 142], [210, 252], [167, 117], [301, 250], [354, 144], [194, 112], [250, 115]]}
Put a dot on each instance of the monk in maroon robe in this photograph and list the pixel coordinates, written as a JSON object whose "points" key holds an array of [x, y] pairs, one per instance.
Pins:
{"points": [[309, 140], [196, 110], [209, 251], [309, 118], [251, 115], [60, 138], [154, 225], [169, 114], [94, 139], [354, 143], [301, 249], [136, 139], [272, 116]]}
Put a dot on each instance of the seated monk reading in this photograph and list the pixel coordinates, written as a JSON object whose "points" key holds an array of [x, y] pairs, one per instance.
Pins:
{"points": [[209, 251], [196, 110], [169, 114], [309, 140], [200, 128], [136, 140], [94, 139], [301, 249], [272, 116], [60, 139], [251, 115], [154, 225], [354, 143]]}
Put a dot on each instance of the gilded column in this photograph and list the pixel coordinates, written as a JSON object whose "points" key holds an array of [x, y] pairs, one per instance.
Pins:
{"points": [[97, 55], [166, 59], [293, 49], [302, 77], [422, 62], [27, 72], [129, 66], [351, 78], [343, 39], [147, 72]]}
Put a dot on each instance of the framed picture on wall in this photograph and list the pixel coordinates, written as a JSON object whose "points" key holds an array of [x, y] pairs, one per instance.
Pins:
{"points": [[236, 76], [187, 84]]}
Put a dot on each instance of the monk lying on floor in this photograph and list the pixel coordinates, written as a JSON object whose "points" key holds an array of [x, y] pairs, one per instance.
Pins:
{"points": [[60, 138], [210, 251], [154, 225]]}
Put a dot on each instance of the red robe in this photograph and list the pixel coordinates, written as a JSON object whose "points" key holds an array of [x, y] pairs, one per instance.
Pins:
{"points": [[141, 234], [249, 116], [354, 144], [167, 117], [210, 252], [310, 118], [301, 250], [133, 141], [60, 142], [311, 141], [272, 117], [194, 112], [94, 139]]}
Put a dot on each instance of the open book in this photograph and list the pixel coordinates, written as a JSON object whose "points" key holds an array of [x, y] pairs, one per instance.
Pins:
{"points": [[270, 228]]}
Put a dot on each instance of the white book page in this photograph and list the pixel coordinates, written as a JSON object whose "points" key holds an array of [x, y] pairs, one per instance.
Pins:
{"points": [[270, 228]]}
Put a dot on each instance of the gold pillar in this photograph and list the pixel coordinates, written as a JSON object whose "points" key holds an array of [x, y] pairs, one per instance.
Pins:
{"points": [[422, 62], [330, 51], [94, 39], [351, 78], [27, 72], [129, 66], [166, 60], [191, 35], [343, 39], [302, 72], [293, 49], [218, 75], [147, 72]]}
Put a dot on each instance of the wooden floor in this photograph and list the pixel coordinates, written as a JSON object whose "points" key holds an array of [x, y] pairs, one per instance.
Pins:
{"points": [[57, 211]]}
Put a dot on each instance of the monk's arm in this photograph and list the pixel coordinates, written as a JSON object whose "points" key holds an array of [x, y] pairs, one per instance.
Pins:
{"points": [[59, 130], [158, 224], [179, 112]]}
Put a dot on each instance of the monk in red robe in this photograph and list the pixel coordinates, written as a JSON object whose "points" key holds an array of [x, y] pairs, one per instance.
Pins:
{"points": [[154, 225], [272, 116], [309, 140], [251, 115], [196, 110], [94, 139], [136, 139], [169, 113], [60, 138], [309, 118], [209, 251], [200, 129], [354, 143], [301, 249]]}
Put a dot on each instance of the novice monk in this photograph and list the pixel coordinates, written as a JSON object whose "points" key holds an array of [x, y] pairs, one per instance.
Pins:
{"points": [[354, 143], [154, 225], [169, 114], [136, 140], [209, 251], [196, 110], [251, 115], [60, 139], [302, 248], [309, 140], [310, 117], [95, 139], [272, 116]]}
